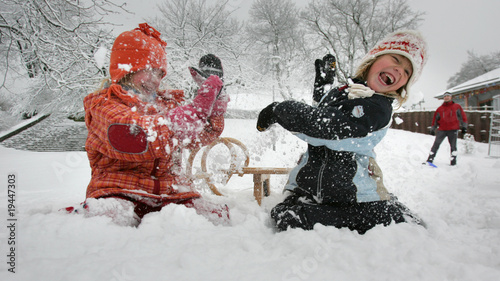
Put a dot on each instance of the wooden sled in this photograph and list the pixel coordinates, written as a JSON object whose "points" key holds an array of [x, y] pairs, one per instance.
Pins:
{"points": [[261, 175]]}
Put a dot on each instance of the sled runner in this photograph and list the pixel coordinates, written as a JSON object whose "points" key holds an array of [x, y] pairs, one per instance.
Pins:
{"points": [[261, 175]]}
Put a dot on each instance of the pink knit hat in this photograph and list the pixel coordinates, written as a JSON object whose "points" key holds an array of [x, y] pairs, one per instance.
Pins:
{"points": [[408, 43]]}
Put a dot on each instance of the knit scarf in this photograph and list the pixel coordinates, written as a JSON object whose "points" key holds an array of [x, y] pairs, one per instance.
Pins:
{"points": [[359, 91]]}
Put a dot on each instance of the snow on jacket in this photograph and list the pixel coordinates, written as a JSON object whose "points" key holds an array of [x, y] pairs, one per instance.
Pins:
{"points": [[339, 165], [449, 116], [134, 146]]}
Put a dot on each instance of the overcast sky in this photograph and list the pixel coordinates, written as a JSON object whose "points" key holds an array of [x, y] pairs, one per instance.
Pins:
{"points": [[451, 28]]}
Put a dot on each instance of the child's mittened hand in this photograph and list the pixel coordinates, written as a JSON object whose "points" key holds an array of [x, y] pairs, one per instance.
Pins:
{"points": [[198, 76], [330, 64], [204, 100], [209, 65], [266, 117], [325, 70], [319, 80]]}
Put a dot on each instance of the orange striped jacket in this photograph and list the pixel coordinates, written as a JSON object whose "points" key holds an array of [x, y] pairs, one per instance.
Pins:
{"points": [[132, 150]]}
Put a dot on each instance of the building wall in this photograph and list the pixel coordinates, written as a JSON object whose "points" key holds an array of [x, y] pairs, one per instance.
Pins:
{"points": [[477, 98]]}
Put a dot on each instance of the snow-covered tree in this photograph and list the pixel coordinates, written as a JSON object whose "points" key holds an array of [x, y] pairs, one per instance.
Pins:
{"points": [[193, 28], [274, 29], [474, 67], [47, 47], [348, 29]]}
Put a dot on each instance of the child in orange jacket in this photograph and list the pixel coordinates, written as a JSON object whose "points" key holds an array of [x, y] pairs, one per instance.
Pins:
{"points": [[136, 133]]}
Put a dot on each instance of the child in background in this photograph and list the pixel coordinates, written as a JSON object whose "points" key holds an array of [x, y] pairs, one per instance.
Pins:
{"points": [[337, 181], [136, 133]]}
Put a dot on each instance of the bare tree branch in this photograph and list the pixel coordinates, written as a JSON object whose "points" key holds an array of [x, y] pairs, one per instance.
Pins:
{"points": [[55, 40], [350, 28]]}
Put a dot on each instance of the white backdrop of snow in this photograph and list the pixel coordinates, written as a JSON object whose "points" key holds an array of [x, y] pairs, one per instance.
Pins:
{"points": [[461, 206]]}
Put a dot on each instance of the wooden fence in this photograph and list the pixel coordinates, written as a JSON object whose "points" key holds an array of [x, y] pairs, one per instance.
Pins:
{"points": [[420, 122]]}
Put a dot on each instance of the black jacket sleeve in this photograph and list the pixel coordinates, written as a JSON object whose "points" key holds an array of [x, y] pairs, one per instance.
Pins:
{"points": [[337, 120]]}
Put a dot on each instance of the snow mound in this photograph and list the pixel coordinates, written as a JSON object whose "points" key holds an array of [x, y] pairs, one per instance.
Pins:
{"points": [[461, 206]]}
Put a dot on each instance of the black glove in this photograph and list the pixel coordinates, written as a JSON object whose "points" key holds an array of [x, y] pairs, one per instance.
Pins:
{"points": [[208, 65], [432, 131], [325, 70], [330, 68], [266, 117], [464, 131], [211, 65]]}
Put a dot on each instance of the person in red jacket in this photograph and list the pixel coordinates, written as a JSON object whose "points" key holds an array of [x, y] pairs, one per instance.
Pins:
{"points": [[136, 133], [447, 120]]}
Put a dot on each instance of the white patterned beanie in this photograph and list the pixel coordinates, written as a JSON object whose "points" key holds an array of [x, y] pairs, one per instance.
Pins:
{"points": [[408, 43]]}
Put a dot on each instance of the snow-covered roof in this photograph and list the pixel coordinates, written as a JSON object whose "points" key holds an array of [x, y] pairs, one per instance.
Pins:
{"points": [[488, 79]]}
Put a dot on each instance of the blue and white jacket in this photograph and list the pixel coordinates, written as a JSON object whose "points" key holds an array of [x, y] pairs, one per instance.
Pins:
{"points": [[339, 165]]}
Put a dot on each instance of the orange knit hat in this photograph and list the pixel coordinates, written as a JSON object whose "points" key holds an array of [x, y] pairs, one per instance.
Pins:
{"points": [[138, 49]]}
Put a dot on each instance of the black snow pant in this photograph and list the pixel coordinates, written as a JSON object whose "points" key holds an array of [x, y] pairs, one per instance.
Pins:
{"points": [[295, 212], [452, 136]]}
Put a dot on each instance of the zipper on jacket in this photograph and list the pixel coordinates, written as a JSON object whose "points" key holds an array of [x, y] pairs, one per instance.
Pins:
{"points": [[156, 188], [320, 175]]}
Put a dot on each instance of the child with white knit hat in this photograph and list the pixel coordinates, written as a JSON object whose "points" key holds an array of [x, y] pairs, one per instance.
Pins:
{"points": [[337, 181]]}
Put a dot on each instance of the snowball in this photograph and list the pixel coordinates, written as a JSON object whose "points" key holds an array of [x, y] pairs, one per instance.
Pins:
{"points": [[126, 67], [100, 56]]}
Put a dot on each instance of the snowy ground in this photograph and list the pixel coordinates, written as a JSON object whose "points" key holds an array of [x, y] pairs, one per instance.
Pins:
{"points": [[461, 206]]}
